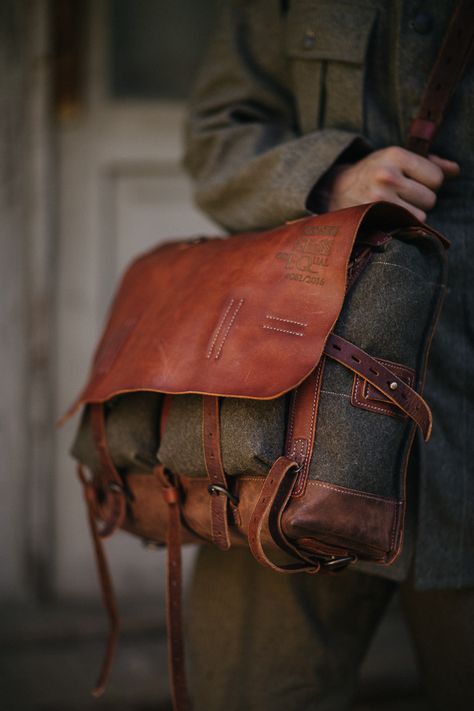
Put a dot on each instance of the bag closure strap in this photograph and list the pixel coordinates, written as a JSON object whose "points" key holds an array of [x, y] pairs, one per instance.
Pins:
{"points": [[382, 378], [218, 489], [445, 75], [302, 425], [267, 514], [276, 491], [110, 479]]}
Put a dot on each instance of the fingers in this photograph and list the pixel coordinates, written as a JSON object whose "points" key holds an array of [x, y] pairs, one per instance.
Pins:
{"points": [[419, 214], [449, 168], [392, 174], [416, 194], [422, 170]]}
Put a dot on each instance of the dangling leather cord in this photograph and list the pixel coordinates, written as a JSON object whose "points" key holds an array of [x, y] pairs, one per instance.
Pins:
{"points": [[106, 585], [176, 659], [112, 513]]}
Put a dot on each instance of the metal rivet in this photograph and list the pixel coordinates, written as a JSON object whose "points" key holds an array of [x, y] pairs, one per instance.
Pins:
{"points": [[393, 386]]}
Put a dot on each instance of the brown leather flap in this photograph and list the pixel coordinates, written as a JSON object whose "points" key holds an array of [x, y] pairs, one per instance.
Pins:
{"points": [[245, 316]]}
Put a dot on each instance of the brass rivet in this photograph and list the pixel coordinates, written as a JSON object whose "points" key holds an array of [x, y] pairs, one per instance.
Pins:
{"points": [[393, 386]]}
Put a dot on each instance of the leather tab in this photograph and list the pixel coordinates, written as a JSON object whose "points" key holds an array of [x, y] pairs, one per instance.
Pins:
{"points": [[384, 379], [302, 425], [211, 441]]}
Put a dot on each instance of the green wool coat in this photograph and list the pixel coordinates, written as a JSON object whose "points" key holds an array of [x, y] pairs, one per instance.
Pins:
{"points": [[287, 90]]}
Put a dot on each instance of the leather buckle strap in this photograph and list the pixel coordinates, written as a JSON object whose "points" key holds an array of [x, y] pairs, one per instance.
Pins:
{"points": [[382, 378], [218, 483]]}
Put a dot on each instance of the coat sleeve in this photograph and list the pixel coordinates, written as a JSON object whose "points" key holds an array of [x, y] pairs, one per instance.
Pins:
{"points": [[253, 169]]}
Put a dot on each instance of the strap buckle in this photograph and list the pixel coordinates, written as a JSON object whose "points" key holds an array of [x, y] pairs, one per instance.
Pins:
{"points": [[216, 489]]}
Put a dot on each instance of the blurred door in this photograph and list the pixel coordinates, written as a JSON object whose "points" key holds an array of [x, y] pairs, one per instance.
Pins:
{"points": [[121, 190]]}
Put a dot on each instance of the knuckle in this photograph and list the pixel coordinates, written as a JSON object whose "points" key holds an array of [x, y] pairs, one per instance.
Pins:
{"points": [[386, 175], [394, 153], [380, 194]]}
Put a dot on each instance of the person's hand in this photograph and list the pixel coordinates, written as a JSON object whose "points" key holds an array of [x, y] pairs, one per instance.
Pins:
{"points": [[393, 174]]}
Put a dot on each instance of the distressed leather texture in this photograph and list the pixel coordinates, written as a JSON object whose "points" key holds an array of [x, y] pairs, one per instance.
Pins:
{"points": [[254, 311]]}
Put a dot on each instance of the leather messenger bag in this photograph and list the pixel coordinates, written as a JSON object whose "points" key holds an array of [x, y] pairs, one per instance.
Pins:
{"points": [[264, 390]]}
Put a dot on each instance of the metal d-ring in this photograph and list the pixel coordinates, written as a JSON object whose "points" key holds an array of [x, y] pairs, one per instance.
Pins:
{"points": [[216, 489]]}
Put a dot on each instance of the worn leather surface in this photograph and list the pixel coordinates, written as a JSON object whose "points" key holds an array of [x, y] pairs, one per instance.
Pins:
{"points": [[252, 322], [366, 524]]}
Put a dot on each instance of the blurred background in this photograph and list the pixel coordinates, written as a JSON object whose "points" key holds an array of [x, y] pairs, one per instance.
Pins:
{"points": [[92, 99]]}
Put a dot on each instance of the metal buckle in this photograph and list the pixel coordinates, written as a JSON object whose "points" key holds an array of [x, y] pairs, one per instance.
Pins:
{"points": [[216, 489], [338, 563], [115, 487]]}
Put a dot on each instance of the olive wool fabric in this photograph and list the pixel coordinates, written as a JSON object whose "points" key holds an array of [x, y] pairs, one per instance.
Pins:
{"points": [[287, 90]]}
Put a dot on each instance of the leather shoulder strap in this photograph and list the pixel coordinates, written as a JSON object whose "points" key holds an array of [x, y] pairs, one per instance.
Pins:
{"points": [[445, 75]]}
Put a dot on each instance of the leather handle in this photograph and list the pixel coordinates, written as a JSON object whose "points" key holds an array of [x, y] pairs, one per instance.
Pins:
{"points": [[445, 75], [282, 474]]}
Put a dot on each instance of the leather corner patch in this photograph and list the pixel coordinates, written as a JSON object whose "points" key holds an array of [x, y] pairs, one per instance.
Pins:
{"points": [[367, 397]]}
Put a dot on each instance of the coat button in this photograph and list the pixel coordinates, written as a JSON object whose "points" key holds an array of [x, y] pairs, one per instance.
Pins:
{"points": [[309, 39], [422, 23]]}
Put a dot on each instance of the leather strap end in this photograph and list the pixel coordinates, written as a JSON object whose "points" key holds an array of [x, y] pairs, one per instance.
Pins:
{"points": [[422, 129]]}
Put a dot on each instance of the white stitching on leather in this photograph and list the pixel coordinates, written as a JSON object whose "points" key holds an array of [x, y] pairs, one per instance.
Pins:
{"points": [[219, 327], [228, 328], [374, 497], [282, 330], [286, 320], [330, 392]]}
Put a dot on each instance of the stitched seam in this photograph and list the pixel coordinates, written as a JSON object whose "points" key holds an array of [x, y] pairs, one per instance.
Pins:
{"points": [[313, 412], [330, 392], [286, 320], [310, 439], [228, 328], [363, 400], [395, 526], [292, 417], [219, 327], [360, 495], [283, 330], [406, 269], [397, 396]]}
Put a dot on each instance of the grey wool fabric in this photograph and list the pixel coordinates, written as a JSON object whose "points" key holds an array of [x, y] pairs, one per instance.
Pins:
{"points": [[287, 90]]}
